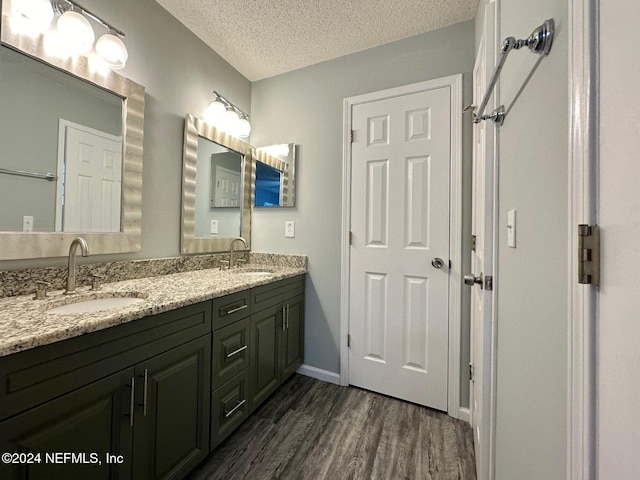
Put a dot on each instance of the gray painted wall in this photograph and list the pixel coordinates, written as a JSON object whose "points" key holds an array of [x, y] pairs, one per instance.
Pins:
{"points": [[306, 107], [179, 73], [532, 279]]}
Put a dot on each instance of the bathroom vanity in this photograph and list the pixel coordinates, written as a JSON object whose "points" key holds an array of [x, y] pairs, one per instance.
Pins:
{"points": [[148, 390]]}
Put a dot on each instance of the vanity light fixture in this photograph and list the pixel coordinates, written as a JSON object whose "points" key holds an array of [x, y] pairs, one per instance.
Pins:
{"points": [[224, 115], [72, 33]]}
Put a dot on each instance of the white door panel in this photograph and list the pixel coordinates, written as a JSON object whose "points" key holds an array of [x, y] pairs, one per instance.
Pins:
{"points": [[400, 223]]}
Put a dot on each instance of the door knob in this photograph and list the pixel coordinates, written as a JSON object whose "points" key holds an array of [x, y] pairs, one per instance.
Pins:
{"points": [[437, 262], [471, 280]]}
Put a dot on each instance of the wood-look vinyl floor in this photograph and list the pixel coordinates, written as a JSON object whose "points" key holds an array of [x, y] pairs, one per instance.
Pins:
{"points": [[312, 430]]}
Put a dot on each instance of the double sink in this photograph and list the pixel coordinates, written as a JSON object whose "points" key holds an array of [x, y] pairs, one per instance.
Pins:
{"points": [[101, 301]]}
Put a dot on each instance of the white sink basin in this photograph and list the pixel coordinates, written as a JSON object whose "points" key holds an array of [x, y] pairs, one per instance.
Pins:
{"points": [[95, 305]]}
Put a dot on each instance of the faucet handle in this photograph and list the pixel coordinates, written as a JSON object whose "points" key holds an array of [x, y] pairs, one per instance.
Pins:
{"points": [[95, 281], [41, 289], [241, 261], [222, 264]]}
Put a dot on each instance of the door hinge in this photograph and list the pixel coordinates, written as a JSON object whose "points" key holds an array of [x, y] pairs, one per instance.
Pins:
{"points": [[471, 372], [589, 255], [473, 243], [350, 238], [351, 136], [349, 340]]}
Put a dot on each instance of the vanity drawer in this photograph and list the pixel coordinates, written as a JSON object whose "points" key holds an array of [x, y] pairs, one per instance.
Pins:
{"points": [[229, 407], [230, 308], [35, 376], [274, 293], [230, 351]]}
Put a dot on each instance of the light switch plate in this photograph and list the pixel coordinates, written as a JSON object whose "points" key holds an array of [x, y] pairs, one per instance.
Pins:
{"points": [[290, 229], [511, 228]]}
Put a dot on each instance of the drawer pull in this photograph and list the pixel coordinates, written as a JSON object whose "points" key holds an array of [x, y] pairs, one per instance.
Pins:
{"points": [[237, 309], [228, 414], [235, 352]]}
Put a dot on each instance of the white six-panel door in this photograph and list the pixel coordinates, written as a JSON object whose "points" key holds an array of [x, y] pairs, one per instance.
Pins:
{"points": [[90, 200], [398, 308]]}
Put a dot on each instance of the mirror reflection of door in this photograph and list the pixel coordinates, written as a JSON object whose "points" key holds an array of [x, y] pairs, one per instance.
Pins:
{"points": [[89, 188], [218, 190]]}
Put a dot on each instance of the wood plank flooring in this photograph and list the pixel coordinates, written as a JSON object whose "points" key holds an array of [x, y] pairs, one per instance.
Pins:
{"points": [[312, 430]]}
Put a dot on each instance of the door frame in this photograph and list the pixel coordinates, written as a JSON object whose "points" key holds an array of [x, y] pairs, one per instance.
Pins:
{"points": [[454, 83], [582, 208]]}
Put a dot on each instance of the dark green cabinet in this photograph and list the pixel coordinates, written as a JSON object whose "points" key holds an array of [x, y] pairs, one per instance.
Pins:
{"points": [[277, 337], [93, 421], [148, 420], [171, 420], [292, 348], [265, 354]]}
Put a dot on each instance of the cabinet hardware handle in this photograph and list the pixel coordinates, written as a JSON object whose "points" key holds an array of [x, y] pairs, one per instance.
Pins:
{"points": [[284, 318], [133, 399], [228, 414], [287, 316], [237, 309], [144, 396], [235, 352]]}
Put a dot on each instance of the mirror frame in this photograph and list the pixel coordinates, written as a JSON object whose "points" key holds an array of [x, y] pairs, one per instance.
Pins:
{"points": [[23, 245], [288, 170], [194, 128]]}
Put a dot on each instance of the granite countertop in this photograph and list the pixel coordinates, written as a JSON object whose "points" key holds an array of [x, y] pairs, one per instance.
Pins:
{"points": [[26, 324]]}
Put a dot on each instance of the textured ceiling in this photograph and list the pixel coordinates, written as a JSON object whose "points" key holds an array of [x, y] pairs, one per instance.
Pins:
{"points": [[263, 38]]}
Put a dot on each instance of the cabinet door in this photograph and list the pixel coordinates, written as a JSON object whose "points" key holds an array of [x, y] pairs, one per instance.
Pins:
{"points": [[171, 430], [292, 349], [92, 423], [265, 342]]}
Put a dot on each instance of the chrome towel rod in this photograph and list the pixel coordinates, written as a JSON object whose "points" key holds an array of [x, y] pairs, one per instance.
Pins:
{"points": [[538, 42], [46, 176]]}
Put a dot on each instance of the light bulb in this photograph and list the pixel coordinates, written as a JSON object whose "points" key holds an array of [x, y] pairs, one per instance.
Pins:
{"points": [[76, 32], [112, 51], [31, 16], [214, 113], [244, 127]]}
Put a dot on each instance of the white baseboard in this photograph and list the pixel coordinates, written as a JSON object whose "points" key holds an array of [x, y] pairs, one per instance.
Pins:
{"points": [[320, 374], [464, 414]]}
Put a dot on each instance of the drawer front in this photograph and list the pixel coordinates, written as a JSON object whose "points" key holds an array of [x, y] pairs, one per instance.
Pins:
{"points": [[230, 351], [274, 293], [229, 407], [35, 376], [231, 308]]}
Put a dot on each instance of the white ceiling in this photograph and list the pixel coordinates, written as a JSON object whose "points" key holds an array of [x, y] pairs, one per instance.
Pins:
{"points": [[263, 38]]}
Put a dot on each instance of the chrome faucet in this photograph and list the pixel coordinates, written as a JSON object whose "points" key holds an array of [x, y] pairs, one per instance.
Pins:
{"points": [[232, 251], [71, 274]]}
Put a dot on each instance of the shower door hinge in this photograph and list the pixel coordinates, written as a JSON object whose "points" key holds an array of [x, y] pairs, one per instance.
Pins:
{"points": [[589, 255], [348, 340], [471, 372], [473, 243]]}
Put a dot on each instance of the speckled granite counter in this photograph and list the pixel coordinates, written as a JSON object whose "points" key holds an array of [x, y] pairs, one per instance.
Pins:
{"points": [[25, 324]]}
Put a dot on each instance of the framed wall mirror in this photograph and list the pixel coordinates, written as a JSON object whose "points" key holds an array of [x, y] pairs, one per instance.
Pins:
{"points": [[274, 175], [216, 188], [71, 159]]}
